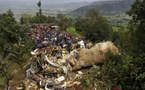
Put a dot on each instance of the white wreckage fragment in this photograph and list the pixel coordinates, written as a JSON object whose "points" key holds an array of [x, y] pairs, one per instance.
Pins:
{"points": [[60, 79], [70, 84], [56, 65], [29, 72], [34, 52], [49, 85]]}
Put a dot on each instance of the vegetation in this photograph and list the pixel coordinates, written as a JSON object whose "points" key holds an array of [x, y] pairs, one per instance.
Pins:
{"points": [[112, 7], [2, 81], [25, 19], [15, 45], [72, 31], [125, 71], [94, 27], [118, 21], [28, 19], [64, 22]]}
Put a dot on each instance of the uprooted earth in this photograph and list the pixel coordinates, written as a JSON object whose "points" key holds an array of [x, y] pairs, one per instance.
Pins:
{"points": [[58, 59]]}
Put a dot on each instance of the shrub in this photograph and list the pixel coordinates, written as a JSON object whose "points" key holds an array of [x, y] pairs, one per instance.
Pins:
{"points": [[72, 31], [125, 71]]}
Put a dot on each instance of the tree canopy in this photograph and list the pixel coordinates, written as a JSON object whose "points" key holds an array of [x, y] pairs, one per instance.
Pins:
{"points": [[137, 25], [95, 27], [127, 70], [15, 46]]}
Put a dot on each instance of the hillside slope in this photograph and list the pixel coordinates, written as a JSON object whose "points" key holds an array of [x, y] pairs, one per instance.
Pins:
{"points": [[105, 7], [30, 6]]}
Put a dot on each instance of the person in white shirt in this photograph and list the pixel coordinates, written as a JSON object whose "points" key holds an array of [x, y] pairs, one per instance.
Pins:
{"points": [[81, 44]]}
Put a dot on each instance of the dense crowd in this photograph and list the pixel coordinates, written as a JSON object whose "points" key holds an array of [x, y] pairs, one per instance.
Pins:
{"points": [[53, 70], [48, 36]]}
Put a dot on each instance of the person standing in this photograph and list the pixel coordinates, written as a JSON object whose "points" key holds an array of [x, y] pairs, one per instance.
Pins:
{"points": [[69, 45]]}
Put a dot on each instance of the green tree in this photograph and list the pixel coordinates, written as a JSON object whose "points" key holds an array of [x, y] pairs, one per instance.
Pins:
{"points": [[9, 32], [64, 22], [51, 19], [39, 19], [14, 45], [72, 31], [137, 25], [25, 19], [124, 71], [127, 70], [94, 27], [122, 38]]}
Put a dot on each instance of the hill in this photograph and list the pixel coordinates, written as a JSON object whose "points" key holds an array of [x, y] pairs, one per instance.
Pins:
{"points": [[110, 7], [30, 6]]}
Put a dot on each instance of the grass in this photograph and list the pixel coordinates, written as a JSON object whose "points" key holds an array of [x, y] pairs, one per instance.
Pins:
{"points": [[2, 80]]}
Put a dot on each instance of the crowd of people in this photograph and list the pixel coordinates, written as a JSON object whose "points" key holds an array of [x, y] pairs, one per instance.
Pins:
{"points": [[47, 70], [48, 36]]}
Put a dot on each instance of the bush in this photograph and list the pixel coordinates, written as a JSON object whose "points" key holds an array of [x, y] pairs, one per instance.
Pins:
{"points": [[94, 27], [72, 31], [2, 80], [15, 45], [125, 71], [92, 79]]}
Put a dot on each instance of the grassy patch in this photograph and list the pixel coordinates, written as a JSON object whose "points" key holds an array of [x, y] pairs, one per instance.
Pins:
{"points": [[2, 80]]}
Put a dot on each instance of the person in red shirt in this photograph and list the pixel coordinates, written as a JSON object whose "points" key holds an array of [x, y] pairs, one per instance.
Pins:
{"points": [[114, 88]]}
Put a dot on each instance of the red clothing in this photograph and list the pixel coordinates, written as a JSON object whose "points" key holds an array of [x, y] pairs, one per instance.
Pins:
{"points": [[113, 88], [78, 88], [73, 38]]}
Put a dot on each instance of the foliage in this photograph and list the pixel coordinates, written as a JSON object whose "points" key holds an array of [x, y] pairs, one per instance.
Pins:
{"points": [[122, 38], [119, 20], [39, 19], [137, 25], [10, 32], [64, 22], [94, 27], [72, 31], [25, 19], [125, 71], [91, 79], [42, 19], [2, 80], [15, 45]]}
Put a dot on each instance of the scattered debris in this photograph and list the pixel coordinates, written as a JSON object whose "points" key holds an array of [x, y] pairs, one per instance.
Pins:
{"points": [[54, 67]]}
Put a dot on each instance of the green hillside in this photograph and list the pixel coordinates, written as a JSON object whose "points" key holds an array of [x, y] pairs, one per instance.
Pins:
{"points": [[105, 7]]}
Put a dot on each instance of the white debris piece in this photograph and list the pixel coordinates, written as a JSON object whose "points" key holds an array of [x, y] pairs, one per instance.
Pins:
{"points": [[56, 65], [81, 43], [60, 79]]}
